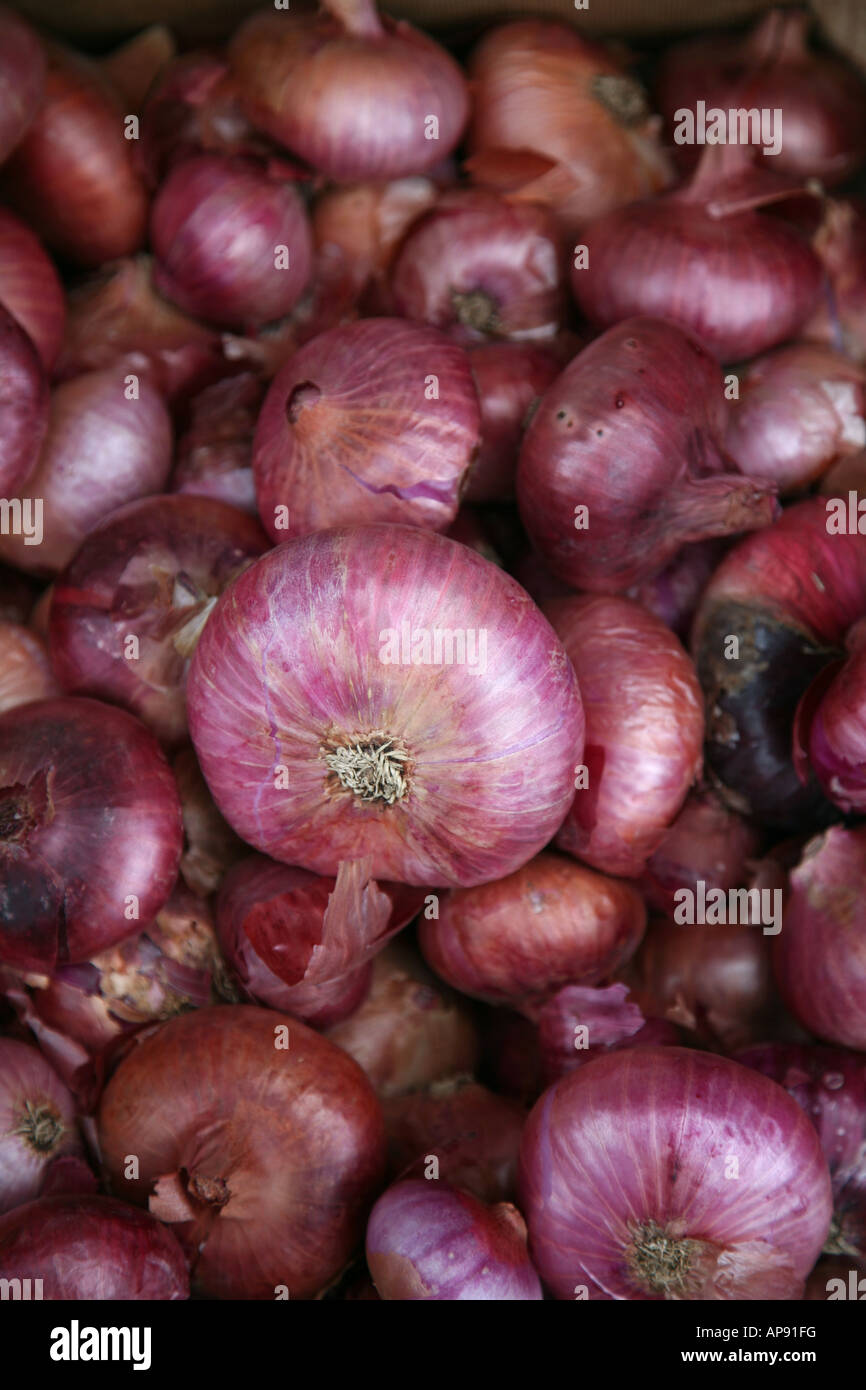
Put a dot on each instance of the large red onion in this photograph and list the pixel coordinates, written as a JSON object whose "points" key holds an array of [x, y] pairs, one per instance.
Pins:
{"points": [[558, 117], [92, 1248], [210, 845], [622, 462], [72, 176], [103, 447], [821, 100], [704, 258], [25, 671], [510, 378], [820, 954], [707, 841], [215, 455], [473, 1134], [356, 96], [37, 1122], [482, 267], [644, 730], [30, 287], [128, 611], [22, 79], [23, 408], [624, 1199], [260, 1142], [321, 743], [428, 1240], [90, 830], [518, 940], [231, 240], [372, 421]]}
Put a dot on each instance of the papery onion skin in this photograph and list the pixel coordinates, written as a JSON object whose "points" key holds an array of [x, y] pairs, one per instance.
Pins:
{"points": [[210, 844], [87, 1248], [356, 104], [190, 109], [581, 1023], [37, 1122], [631, 433], [231, 240], [215, 455], [610, 1138], [707, 841], [481, 267], [101, 449], [820, 954], [510, 379], [30, 287], [371, 421], [221, 1115], [127, 611], [840, 244], [22, 79], [90, 830], [473, 1134], [472, 804], [518, 940], [539, 87], [644, 730], [135, 65], [23, 405], [72, 176], [25, 670], [427, 1240]]}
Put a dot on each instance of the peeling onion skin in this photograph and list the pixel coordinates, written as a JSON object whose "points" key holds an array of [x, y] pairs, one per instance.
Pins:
{"points": [[820, 954], [37, 1122], [25, 670], [644, 730], [549, 924], [608, 1170], [288, 673], [22, 79], [295, 1134], [348, 432], [92, 1248]]}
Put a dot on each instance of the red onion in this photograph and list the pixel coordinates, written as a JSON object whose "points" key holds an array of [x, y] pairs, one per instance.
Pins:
{"points": [[411, 1030], [25, 671], [303, 943], [560, 117], [820, 956], [72, 176], [372, 421], [830, 1085], [581, 1023], [482, 267], [510, 378], [428, 1240], [37, 1122], [215, 455], [135, 65], [259, 1141], [518, 940], [23, 408], [128, 611], [210, 845], [819, 98], [647, 393], [705, 259], [22, 79], [473, 1135], [88, 1248], [840, 243], [674, 593], [103, 447], [30, 287], [644, 730], [192, 109], [90, 830], [231, 241], [356, 96], [625, 1200], [706, 841], [320, 744]]}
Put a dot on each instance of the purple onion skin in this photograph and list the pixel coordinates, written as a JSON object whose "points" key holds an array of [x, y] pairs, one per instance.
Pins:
{"points": [[37, 1122], [92, 1248], [289, 674], [623, 1181], [428, 1240], [22, 79], [23, 405]]}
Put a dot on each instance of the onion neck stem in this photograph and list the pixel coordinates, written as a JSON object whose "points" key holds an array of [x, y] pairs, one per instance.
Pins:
{"points": [[358, 17], [660, 1263], [621, 96], [476, 309], [372, 766], [41, 1127]]}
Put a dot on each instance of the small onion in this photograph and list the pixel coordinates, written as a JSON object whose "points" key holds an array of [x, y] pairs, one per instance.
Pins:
{"points": [[37, 1122], [428, 1240], [22, 79], [510, 379], [23, 405], [215, 455], [25, 671], [352, 430], [707, 841], [626, 1201], [30, 287], [473, 1134]]}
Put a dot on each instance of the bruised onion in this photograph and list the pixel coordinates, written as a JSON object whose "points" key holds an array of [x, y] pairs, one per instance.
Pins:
{"points": [[30, 287], [472, 1134], [375, 691], [25, 671], [510, 378], [128, 611], [372, 421], [518, 940], [259, 1142], [622, 462], [482, 267], [644, 730], [22, 79], [37, 1122], [707, 841], [90, 830], [23, 407], [626, 1201], [215, 455], [428, 1240], [231, 241], [355, 95]]}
